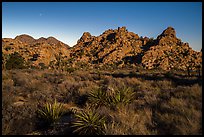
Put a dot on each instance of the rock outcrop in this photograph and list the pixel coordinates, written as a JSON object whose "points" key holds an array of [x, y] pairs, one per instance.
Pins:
{"points": [[110, 47], [113, 47], [171, 53], [35, 51]]}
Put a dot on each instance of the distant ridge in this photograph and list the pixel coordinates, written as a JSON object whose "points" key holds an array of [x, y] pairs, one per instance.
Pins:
{"points": [[30, 40]]}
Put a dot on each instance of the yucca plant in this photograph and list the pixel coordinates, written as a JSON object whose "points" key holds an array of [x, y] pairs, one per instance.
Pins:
{"points": [[51, 112], [89, 123], [123, 96], [98, 98]]}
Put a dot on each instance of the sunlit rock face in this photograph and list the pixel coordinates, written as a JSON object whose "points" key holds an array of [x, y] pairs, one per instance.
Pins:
{"points": [[35, 51], [113, 46]]}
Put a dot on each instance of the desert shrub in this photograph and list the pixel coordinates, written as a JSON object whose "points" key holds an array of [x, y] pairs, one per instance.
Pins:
{"points": [[16, 61], [113, 82], [101, 97], [15, 127], [8, 48], [98, 98], [17, 120], [70, 69], [54, 78], [34, 85], [81, 64], [20, 78], [51, 112], [72, 95], [124, 95], [4, 59], [89, 123], [7, 85], [42, 65], [73, 91]]}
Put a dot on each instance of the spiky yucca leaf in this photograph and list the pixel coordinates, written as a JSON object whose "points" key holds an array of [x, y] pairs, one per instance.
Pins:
{"points": [[98, 98], [89, 123], [124, 96], [51, 112]]}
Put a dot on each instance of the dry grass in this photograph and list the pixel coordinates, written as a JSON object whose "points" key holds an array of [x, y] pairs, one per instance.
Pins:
{"points": [[161, 105], [127, 121], [181, 113]]}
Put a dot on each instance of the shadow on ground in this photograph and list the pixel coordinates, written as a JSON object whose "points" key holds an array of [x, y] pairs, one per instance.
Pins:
{"points": [[182, 80]]}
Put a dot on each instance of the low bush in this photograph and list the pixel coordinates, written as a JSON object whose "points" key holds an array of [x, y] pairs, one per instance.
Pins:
{"points": [[89, 123], [98, 98], [51, 112], [15, 61], [123, 96]]}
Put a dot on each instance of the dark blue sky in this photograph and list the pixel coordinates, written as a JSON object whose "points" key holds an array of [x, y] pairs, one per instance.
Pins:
{"points": [[68, 20]]}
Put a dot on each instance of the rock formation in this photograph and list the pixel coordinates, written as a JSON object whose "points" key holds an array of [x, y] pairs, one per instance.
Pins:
{"points": [[171, 53], [108, 48], [118, 46], [35, 51]]}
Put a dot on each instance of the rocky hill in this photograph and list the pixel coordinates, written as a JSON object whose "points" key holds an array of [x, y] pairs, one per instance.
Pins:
{"points": [[170, 52], [118, 46], [110, 47], [35, 51], [25, 39], [122, 47]]}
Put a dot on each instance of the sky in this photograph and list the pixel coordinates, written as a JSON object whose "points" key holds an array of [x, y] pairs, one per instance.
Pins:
{"points": [[67, 21]]}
